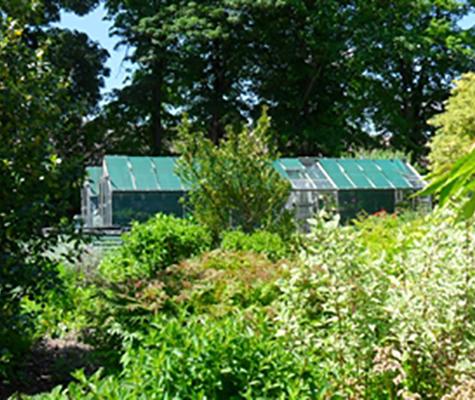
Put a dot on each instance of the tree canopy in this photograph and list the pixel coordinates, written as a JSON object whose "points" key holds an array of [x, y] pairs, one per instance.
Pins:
{"points": [[49, 82], [452, 153], [335, 74], [455, 135]]}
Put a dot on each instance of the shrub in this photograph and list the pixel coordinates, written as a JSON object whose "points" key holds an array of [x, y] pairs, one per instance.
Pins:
{"points": [[216, 283], [380, 309], [127, 288], [389, 318], [235, 357], [154, 245], [220, 282], [233, 184], [63, 309], [270, 244]]}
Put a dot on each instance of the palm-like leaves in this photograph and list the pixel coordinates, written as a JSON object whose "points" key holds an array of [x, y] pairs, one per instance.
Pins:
{"points": [[456, 184]]}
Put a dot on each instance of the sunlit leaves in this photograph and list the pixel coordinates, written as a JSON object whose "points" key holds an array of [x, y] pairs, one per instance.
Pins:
{"points": [[455, 134], [457, 184], [453, 150], [387, 306]]}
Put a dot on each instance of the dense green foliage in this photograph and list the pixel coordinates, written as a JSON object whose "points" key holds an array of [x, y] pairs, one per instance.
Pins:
{"points": [[452, 153], [387, 306], [35, 184], [72, 54], [44, 96], [44, 12], [379, 309], [63, 309], [148, 275], [203, 358], [154, 245], [410, 52], [233, 184], [192, 307], [268, 243], [215, 283], [72, 57], [331, 71], [126, 283]]}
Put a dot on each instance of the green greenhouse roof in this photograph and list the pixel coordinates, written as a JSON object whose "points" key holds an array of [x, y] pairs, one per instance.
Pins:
{"points": [[93, 176], [142, 173], [370, 174], [158, 174]]}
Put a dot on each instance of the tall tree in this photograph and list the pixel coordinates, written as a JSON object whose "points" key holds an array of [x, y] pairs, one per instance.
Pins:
{"points": [[187, 57], [334, 74], [72, 54], [304, 69], [140, 112], [410, 51], [82, 59], [36, 185], [216, 55], [49, 82], [75, 55]]}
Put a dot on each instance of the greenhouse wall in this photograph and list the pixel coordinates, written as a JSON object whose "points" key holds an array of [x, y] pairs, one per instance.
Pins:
{"points": [[140, 206], [352, 203]]}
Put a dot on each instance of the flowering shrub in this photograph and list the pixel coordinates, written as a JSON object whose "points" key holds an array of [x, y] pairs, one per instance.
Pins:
{"points": [[216, 283], [390, 312]]}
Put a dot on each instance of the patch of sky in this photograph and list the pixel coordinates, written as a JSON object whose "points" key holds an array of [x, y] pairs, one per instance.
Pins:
{"points": [[97, 27], [468, 22]]}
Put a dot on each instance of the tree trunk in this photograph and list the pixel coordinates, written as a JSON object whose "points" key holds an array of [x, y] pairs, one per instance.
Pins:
{"points": [[216, 131], [157, 100]]}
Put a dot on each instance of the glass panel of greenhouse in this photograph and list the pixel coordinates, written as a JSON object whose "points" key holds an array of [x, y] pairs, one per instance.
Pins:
{"points": [[90, 196]]}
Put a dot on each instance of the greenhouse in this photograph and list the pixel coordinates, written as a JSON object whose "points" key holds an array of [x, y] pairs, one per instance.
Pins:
{"points": [[127, 188], [348, 186], [135, 188]]}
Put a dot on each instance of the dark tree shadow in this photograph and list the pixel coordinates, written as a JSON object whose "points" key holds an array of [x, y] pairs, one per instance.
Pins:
{"points": [[49, 364]]}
